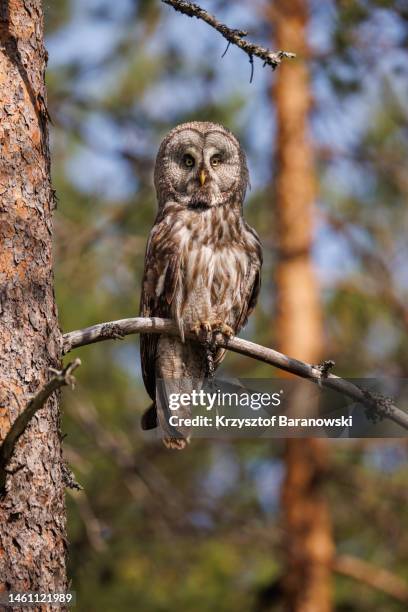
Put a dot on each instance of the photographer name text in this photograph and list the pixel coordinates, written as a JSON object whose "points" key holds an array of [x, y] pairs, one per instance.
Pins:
{"points": [[274, 421]]}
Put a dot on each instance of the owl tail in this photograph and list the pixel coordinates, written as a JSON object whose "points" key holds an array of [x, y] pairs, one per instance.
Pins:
{"points": [[180, 369], [172, 437], [176, 437]]}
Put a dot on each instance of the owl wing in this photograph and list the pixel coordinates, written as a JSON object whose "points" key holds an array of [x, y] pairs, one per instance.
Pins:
{"points": [[158, 288], [250, 289]]}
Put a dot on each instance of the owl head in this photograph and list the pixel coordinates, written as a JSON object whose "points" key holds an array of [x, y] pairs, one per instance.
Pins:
{"points": [[200, 165]]}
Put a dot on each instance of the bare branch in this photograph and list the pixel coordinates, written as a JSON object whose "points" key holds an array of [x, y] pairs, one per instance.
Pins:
{"points": [[233, 36], [379, 405], [64, 377], [375, 577]]}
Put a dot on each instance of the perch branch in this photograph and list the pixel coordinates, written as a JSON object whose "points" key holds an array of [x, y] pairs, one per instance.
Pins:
{"points": [[64, 377], [233, 36], [375, 577], [378, 405]]}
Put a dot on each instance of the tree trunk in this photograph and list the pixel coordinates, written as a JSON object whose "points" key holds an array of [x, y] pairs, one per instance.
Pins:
{"points": [[306, 584], [32, 511]]}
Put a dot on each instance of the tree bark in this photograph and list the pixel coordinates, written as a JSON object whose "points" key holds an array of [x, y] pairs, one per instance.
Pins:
{"points": [[309, 548], [32, 511]]}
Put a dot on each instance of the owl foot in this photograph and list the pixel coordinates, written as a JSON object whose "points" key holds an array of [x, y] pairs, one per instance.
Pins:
{"points": [[222, 328], [202, 330], [205, 330]]}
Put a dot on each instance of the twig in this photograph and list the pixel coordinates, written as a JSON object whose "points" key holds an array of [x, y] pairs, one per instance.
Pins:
{"points": [[137, 325], [375, 577], [60, 378], [233, 36]]}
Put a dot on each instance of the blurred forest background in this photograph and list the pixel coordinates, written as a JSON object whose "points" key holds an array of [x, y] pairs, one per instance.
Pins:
{"points": [[251, 524]]}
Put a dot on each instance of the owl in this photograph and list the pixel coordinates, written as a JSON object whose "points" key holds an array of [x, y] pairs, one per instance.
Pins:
{"points": [[202, 265]]}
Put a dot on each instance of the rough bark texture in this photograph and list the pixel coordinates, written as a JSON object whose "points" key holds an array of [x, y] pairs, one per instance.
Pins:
{"points": [[306, 584], [32, 512]]}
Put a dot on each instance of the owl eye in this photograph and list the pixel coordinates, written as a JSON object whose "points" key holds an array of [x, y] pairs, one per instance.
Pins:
{"points": [[215, 160], [188, 161]]}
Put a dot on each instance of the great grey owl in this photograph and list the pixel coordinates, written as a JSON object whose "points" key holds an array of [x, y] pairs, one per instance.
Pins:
{"points": [[202, 263]]}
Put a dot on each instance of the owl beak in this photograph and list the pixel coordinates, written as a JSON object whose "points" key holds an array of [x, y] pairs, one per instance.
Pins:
{"points": [[202, 177]]}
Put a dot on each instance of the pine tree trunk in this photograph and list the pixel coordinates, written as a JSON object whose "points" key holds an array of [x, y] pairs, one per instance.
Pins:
{"points": [[32, 511], [306, 583]]}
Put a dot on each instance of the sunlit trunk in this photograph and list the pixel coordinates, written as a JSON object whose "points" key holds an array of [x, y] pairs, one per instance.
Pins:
{"points": [[308, 540], [32, 512]]}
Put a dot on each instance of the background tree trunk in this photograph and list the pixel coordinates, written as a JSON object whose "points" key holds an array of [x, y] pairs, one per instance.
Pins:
{"points": [[32, 512], [308, 542]]}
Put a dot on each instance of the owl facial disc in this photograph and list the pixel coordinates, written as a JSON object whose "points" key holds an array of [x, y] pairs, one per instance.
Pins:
{"points": [[200, 165]]}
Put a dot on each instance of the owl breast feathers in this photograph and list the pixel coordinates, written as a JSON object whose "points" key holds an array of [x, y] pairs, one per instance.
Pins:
{"points": [[202, 264]]}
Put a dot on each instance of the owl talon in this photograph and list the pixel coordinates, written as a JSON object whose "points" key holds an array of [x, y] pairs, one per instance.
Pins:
{"points": [[201, 329], [225, 330], [219, 327], [206, 330]]}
